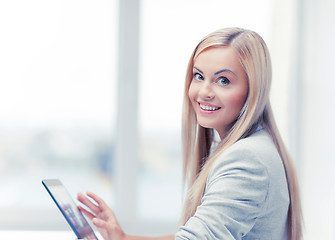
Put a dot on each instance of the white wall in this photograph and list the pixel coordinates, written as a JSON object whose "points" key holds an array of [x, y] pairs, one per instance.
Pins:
{"points": [[316, 81]]}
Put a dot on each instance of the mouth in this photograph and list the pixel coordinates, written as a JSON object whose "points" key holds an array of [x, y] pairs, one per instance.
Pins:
{"points": [[207, 107]]}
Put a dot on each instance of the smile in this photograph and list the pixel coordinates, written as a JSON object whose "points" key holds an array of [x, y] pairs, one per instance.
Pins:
{"points": [[208, 107]]}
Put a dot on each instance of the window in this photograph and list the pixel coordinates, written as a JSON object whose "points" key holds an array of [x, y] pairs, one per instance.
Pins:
{"points": [[57, 101]]}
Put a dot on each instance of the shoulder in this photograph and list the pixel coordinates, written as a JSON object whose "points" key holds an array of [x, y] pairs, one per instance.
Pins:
{"points": [[259, 144], [258, 147], [255, 156]]}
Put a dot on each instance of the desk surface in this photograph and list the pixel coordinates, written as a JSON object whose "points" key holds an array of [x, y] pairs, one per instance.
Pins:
{"points": [[38, 235]]}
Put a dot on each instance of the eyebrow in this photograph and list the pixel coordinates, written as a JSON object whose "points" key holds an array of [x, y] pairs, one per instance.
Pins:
{"points": [[199, 70], [224, 70], [216, 73]]}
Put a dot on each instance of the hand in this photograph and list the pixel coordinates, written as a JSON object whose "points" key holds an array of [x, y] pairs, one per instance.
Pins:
{"points": [[101, 216]]}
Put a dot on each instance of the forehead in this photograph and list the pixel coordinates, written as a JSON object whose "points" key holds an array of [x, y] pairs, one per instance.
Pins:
{"points": [[218, 57]]}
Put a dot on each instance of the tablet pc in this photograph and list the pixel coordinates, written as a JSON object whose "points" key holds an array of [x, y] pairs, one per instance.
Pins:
{"points": [[69, 209]]}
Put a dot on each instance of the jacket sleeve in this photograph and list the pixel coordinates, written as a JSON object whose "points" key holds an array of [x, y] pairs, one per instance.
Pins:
{"points": [[235, 195]]}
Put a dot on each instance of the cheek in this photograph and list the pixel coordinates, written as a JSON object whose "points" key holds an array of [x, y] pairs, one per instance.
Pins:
{"points": [[191, 92], [236, 101], [191, 96]]}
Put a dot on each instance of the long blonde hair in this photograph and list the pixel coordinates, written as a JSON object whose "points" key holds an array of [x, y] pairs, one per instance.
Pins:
{"points": [[197, 141]]}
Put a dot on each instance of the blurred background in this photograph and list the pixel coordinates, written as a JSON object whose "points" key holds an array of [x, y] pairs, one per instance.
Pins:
{"points": [[91, 93]]}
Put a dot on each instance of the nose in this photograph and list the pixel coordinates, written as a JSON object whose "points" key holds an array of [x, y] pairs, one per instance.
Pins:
{"points": [[206, 91]]}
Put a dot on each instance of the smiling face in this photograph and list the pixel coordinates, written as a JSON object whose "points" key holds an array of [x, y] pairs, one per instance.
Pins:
{"points": [[218, 89]]}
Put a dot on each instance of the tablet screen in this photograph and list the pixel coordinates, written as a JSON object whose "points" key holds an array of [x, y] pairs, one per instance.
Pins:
{"points": [[69, 209]]}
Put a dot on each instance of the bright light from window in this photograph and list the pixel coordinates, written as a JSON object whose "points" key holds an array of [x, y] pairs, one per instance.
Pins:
{"points": [[57, 99]]}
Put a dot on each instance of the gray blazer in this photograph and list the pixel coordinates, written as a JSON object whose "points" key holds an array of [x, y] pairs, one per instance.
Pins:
{"points": [[246, 195]]}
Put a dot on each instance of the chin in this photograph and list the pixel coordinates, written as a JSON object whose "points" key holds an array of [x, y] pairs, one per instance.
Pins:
{"points": [[205, 125]]}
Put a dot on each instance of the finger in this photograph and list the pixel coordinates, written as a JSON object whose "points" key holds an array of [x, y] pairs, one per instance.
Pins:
{"points": [[100, 223], [101, 203], [112, 229], [86, 213], [88, 203]]}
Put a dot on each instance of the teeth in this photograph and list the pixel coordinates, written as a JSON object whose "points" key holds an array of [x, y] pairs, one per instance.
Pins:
{"points": [[208, 108]]}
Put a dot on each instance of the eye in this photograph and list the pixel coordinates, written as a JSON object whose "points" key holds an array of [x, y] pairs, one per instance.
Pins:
{"points": [[223, 81], [198, 76]]}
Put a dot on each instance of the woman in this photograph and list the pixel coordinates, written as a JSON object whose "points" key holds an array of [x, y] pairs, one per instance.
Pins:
{"points": [[244, 187]]}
